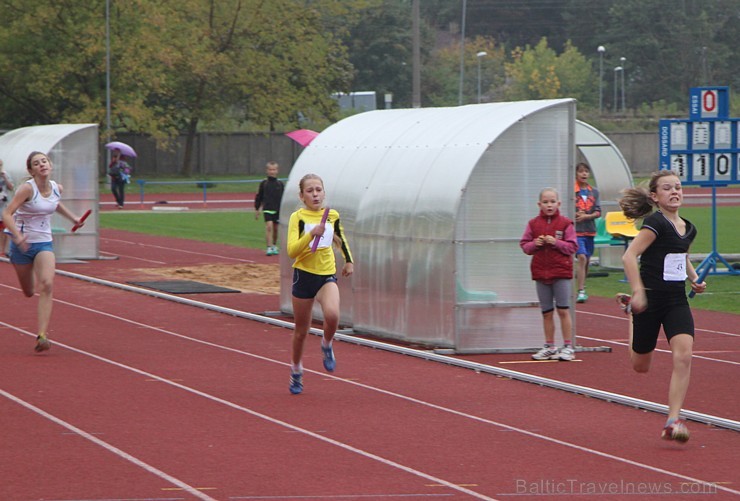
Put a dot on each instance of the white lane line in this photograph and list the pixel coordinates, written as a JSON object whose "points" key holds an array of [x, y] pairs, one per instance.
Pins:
{"points": [[110, 448], [658, 350], [133, 257], [426, 355], [364, 386], [264, 417], [624, 317], [170, 249]]}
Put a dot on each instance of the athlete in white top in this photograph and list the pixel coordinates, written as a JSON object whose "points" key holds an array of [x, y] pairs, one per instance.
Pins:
{"points": [[28, 219], [33, 217]]}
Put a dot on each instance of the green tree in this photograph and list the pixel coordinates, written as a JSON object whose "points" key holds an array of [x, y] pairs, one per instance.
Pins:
{"points": [[270, 60], [673, 46], [379, 45], [43, 60], [441, 75], [540, 73], [669, 46], [174, 64]]}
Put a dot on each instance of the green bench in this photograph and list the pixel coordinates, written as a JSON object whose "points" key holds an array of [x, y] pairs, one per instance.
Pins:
{"points": [[603, 238]]}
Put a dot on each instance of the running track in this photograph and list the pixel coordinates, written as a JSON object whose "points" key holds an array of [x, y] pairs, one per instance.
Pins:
{"points": [[143, 398]]}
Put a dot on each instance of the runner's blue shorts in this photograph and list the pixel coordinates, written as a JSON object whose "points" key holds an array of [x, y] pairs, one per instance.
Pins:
{"points": [[17, 256]]}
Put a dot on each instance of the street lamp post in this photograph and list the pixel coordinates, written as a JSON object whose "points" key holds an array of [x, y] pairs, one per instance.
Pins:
{"points": [[107, 67], [624, 105], [616, 87], [601, 51], [480, 56], [415, 57], [107, 78], [462, 53]]}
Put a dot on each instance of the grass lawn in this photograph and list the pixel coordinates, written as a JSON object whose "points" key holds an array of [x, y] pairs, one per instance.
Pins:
{"points": [[232, 228], [241, 229]]}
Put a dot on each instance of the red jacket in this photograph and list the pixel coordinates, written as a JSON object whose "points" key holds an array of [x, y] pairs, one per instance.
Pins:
{"points": [[550, 262]]}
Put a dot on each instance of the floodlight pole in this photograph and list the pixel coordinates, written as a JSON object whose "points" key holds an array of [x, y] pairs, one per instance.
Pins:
{"points": [[616, 88], [624, 105], [107, 78], [462, 54], [416, 57]]}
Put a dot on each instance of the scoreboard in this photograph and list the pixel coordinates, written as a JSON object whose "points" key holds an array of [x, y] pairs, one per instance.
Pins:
{"points": [[704, 149]]}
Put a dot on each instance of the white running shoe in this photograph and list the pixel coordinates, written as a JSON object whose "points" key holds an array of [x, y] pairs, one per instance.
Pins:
{"points": [[546, 353], [567, 353]]}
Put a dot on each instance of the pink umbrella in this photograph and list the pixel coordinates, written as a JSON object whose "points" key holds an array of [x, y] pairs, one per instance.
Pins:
{"points": [[302, 136], [122, 147]]}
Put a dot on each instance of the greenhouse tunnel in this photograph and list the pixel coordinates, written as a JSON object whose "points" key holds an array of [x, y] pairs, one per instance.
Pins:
{"points": [[434, 202]]}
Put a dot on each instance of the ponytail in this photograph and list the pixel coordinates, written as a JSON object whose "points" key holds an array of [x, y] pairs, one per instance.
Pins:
{"points": [[636, 202]]}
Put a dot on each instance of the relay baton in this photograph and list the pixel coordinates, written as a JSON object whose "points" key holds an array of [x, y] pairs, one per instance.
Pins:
{"points": [[82, 220], [701, 278], [315, 244]]}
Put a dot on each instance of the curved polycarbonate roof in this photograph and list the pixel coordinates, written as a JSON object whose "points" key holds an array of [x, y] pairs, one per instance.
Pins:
{"points": [[434, 201]]}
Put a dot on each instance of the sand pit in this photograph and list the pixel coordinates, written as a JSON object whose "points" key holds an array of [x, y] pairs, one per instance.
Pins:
{"points": [[254, 278]]}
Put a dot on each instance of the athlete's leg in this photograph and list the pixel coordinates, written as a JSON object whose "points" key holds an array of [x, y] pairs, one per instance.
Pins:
{"points": [[681, 348], [269, 233], [302, 318], [26, 278], [328, 298], [43, 267]]}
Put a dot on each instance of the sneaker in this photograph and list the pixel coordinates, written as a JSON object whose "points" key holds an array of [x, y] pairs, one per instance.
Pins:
{"points": [[676, 431], [582, 296], [567, 353], [296, 382], [42, 344], [275, 250], [546, 353], [329, 362], [269, 251], [624, 302]]}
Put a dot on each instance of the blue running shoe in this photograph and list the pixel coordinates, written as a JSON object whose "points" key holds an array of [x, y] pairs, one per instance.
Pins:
{"points": [[296, 382], [329, 362]]}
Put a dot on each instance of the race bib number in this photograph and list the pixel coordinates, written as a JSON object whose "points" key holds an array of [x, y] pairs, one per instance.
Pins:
{"points": [[674, 267], [326, 239]]}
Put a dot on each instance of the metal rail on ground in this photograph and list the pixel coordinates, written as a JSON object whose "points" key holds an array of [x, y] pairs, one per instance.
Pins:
{"points": [[699, 417]]}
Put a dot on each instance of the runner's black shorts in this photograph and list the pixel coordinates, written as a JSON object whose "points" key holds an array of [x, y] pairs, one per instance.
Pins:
{"points": [[271, 215], [669, 309], [306, 285]]}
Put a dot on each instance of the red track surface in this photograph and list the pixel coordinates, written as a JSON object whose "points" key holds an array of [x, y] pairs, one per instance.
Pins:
{"points": [[142, 398]]}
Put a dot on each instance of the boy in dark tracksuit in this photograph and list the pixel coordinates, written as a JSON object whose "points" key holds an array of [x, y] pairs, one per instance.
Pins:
{"points": [[267, 201]]}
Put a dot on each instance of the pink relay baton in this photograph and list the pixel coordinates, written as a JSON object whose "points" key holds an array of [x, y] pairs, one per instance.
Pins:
{"points": [[82, 220], [315, 244]]}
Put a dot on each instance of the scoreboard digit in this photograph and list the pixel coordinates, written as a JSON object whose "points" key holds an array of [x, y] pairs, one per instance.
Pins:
{"points": [[722, 167]]}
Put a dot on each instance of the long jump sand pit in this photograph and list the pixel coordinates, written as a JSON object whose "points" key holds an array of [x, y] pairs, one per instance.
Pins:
{"points": [[259, 278]]}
